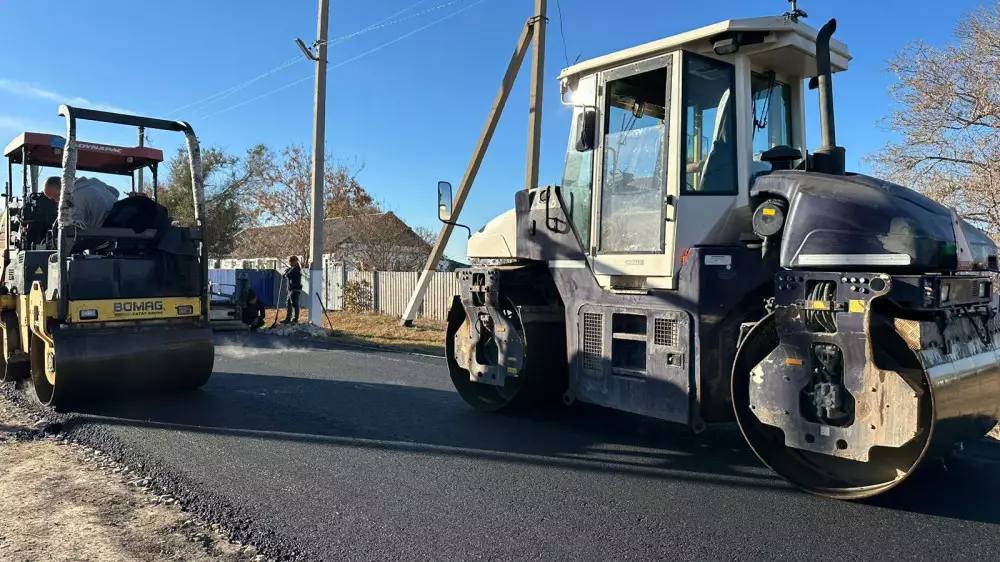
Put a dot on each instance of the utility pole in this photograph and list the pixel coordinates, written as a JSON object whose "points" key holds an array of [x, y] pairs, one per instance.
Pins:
{"points": [[318, 175], [535, 102], [534, 29], [142, 142]]}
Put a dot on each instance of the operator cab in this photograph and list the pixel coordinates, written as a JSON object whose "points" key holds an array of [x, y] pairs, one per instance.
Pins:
{"points": [[29, 215], [32, 151], [666, 139]]}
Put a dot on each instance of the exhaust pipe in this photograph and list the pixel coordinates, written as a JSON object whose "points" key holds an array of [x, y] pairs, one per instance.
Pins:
{"points": [[830, 158]]}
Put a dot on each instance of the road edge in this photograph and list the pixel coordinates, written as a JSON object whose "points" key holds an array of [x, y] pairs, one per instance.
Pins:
{"points": [[192, 497]]}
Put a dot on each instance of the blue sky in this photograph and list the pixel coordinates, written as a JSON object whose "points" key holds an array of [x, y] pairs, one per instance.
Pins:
{"points": [[409, 99]]}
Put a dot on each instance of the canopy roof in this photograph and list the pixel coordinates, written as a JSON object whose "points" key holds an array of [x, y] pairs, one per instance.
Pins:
{"points": [[46, 150]]}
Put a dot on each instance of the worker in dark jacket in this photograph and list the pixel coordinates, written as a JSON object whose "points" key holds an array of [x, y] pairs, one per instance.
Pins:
{"points": [[254, 313], [294, 276]]}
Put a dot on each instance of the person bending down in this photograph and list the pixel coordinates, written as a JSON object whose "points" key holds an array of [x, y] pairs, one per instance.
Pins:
{"points": [[253, 314], [92, 199]]}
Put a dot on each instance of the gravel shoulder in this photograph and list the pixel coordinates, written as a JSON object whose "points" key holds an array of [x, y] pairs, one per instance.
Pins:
{"points": [[63, 501]]}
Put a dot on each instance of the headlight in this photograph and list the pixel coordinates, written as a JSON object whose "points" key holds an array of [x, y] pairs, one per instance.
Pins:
{"points": [[185, 309], [945, 290], [89, 314], [984, 289]]}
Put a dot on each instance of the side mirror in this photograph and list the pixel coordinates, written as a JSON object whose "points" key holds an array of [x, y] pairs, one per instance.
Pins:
{"points": [[445, 206], [444, 201], [586, 122]]}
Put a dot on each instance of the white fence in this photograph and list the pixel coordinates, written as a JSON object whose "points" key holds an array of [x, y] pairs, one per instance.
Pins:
{"points": [[384, 292], [388, 292]]}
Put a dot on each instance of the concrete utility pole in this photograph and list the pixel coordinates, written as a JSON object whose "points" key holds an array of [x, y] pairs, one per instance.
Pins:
{"points": [[534, 29], [318, 175]]}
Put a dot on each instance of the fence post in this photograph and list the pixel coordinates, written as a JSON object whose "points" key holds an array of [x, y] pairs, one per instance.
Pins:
{"points": [[375, 293]]}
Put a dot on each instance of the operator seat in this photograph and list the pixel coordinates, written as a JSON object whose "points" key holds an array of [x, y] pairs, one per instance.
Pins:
{"points": [[718, 167], [137, 214]]}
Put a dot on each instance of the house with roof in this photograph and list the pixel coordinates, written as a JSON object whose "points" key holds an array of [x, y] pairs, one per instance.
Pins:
{"points": [[373, 242]]}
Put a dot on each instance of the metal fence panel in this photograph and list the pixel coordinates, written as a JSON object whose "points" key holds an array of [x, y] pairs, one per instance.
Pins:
{"points": [[384, 292], [394, 290], [442, 288], [366, 293], [335, 277]]}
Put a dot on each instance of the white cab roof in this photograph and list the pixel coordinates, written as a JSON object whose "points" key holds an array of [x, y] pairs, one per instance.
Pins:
{"points": [[790, 47]]}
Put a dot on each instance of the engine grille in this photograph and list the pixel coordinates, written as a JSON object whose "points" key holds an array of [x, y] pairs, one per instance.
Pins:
{"points": [[593, 340], [665, 332]]}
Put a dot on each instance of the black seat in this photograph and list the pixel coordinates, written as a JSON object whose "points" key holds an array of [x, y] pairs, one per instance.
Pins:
{"points": [[137, 214]]}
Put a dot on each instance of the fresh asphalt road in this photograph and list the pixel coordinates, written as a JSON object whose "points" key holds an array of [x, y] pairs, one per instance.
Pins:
{"points": [[357, 455]]}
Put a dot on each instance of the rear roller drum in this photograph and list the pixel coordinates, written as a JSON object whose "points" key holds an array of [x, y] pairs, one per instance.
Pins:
{"points": [[819, 473], [49, 390], [541, 380], [87, 364], [14, 365]]}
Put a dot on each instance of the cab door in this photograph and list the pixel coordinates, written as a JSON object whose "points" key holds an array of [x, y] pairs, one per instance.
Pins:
{"points": [[638, 171]]}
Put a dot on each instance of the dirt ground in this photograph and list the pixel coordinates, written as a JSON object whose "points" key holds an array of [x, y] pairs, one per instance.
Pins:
{"points": [[60, 502], [425, 336]]}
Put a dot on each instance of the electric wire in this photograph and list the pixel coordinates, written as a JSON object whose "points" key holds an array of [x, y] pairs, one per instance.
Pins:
{"points": [[384, 22], [342, 63], [562, 32]]}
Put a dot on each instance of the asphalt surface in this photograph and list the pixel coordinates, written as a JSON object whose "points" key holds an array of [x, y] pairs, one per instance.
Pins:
{"points": [[340, 454]]}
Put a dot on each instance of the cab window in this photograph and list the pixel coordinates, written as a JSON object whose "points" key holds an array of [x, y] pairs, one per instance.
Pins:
{"points": [[577, 184], [709, 149], [772, 115]]}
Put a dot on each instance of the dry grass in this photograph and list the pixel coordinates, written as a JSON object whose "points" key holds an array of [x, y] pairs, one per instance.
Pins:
{"points": [[425, 336], [65, 502]]}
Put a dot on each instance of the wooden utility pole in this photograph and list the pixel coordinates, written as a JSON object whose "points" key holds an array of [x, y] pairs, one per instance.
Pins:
{"points": [[535, 102], [535, 28], [318, 174], [142, 142]]}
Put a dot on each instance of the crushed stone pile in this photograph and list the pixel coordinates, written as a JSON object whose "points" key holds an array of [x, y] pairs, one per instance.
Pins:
{"points": [[302, 329]]}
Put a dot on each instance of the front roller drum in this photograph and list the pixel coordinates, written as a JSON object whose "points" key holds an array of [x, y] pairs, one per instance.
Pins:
{"points": [[541, 377], [86, 363], [914, 398], [831, 473]]}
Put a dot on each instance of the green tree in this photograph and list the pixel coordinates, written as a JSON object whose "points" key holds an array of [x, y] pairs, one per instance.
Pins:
{"points": [[229, 179]]}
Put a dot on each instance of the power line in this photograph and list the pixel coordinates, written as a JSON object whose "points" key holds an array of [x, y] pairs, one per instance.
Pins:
{"points": [[417, 30], [342, 63], [382, 25], [562, 32], [255, 98], [222, 94]]}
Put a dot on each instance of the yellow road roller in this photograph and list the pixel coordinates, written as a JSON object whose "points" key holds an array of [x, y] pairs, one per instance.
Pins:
{"points": [[90, 308]]}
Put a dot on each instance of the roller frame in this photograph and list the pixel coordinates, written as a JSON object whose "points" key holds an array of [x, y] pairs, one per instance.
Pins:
{"points": [[42, 342]]}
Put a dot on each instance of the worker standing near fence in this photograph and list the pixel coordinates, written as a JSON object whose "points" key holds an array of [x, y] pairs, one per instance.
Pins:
{"points": [[293, 274]]}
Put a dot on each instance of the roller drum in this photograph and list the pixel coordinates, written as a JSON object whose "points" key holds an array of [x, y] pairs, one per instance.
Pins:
{"points": [[95, 361], [911, 388]]}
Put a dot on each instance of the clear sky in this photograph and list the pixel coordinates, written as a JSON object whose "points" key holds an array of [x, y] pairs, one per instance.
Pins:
{"points": [[408, 99]]}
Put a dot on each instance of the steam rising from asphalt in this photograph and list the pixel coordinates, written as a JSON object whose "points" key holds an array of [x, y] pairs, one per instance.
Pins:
{"points": [[231, 351]]}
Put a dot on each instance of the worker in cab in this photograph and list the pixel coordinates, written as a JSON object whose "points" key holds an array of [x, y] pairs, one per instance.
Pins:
{"points": [[254, 312], [293, 274], [92, 199]]}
